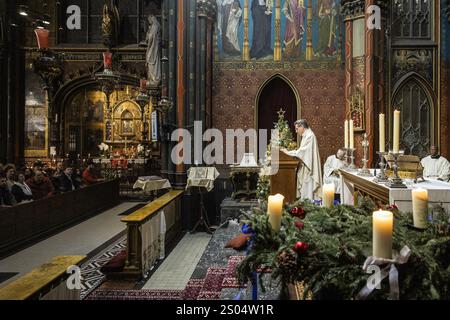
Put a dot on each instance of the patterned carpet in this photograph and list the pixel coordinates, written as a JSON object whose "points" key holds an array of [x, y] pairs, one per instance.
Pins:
{"points": [[209, 288], [90, 271]]}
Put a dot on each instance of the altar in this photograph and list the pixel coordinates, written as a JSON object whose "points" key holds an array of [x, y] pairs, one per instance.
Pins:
{"points": [[355, 187]]}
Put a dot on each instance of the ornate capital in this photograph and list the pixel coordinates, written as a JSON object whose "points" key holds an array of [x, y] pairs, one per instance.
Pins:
{"points": [[207, 8], [352, 8]]}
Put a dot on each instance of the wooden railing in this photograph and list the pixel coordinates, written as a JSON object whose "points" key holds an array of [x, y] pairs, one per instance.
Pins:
{"points": [[27, 223], [170, 202], [47, 282]]}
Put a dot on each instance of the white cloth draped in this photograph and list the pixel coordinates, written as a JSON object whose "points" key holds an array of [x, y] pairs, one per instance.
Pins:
{"points": [[309, 176]]}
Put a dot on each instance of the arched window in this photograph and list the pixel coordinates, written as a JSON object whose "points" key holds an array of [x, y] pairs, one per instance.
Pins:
{"points": [[417, 117], [412, 19]]}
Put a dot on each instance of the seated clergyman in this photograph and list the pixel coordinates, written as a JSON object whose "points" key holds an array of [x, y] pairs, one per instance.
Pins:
{"points": [[331, 170], [435, 166]]}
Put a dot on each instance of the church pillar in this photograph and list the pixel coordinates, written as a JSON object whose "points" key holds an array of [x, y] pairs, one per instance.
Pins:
{"points": [[246, 46], [164, 86], [181, 89], [3, 81], [309, 33], [374, 74], [348, 65]]}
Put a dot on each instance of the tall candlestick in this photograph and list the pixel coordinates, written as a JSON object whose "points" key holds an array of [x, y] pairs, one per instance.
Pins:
{"points": [[396, 140], [347, 145], [382, 132], [275, 211], [352, 135], [383, 227], [329, 191], [420, 208]]}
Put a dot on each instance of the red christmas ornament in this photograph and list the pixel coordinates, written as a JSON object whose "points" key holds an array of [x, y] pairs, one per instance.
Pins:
{"points": [[298, 212], [300, 225], [301, 247]]}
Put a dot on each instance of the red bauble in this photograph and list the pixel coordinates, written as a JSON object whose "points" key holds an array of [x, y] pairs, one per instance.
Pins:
{"points": [[300, 225], [301, 247], [298, 212]]}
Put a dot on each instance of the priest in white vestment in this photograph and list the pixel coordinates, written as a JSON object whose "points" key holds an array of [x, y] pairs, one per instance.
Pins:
{"points": [[435, 166], [331, 170], [309, 176]]}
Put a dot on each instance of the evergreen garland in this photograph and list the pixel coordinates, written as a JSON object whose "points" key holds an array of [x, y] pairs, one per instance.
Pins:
{"points": [[326, 248]]}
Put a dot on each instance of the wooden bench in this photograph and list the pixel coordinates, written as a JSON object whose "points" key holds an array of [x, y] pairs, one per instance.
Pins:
{"points": [[171, 204], [43, 282]]}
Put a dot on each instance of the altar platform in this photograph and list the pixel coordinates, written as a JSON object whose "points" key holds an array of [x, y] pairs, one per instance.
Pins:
{"points": [[354, 187]]}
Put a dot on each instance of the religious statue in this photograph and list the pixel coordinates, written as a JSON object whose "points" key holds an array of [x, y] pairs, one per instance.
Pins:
{"points": [[153, 59], [110, 24]]}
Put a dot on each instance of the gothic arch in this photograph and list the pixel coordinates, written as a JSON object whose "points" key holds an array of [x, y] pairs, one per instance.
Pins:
{"points": [[259, 105], [415, 98]]}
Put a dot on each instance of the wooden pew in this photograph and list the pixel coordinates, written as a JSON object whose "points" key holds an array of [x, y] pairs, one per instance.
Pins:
{"points": [[171, 203], [43, 282], [28, 223]]}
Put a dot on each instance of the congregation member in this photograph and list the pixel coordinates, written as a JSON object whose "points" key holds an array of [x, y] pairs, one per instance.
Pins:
{"points": [[20, 189], [40, 186], [436, 166], [6, 197], [68, 181], [331, 171], [10, 172], [90, 175]]}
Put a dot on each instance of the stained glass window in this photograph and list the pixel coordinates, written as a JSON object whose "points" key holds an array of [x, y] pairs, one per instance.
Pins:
{"points": [[412, 19]]}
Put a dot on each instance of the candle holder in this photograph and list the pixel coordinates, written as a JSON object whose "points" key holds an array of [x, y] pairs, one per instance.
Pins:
{"points": [[352, 166], [381, 177], [365, 172], [396, 182], [346, 157]]}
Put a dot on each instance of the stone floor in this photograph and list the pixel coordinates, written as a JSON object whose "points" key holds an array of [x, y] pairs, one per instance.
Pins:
{"points": [[176, 270]]}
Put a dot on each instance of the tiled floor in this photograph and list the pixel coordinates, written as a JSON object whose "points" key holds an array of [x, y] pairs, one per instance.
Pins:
{"points": [[78, 240], [177, 269]]}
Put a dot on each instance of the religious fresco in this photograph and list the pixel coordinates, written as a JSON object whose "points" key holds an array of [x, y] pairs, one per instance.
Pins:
{"points": [[268, 26], [35, 116]]}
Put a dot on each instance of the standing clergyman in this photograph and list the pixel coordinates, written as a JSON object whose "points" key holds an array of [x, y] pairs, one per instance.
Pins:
{"points": [[309, 177]]}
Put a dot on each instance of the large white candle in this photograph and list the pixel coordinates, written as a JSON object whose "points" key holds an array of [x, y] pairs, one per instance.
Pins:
{"points": [[382, 132], [275, 211], [396, 142], [346, 128], [352, 135], [383, 227], [420, 208], [329, 191]]}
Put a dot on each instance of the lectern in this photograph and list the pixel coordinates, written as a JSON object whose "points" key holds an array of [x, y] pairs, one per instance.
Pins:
{"points": [[285, 180]]}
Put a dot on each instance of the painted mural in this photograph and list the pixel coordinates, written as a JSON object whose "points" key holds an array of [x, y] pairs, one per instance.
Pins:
{"points": [[287, 26]]}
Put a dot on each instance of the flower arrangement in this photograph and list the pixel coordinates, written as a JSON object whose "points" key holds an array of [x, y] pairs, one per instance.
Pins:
{"points": [[104, 148]]}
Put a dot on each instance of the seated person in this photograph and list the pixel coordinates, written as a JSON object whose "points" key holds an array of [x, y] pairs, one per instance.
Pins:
{"points": [[90, 175], [6, 197], [67, 181], [10, 172], [40, 186], [435, 166], [331, 170], [21, 190]]}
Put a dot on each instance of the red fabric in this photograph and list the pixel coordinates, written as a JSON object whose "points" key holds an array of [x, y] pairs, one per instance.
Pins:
{"points": [[116, 264], [42, 190], [90, 177]]}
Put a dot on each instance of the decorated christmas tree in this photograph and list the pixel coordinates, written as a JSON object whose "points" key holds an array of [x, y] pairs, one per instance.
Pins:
{"points": [[283, 139]]}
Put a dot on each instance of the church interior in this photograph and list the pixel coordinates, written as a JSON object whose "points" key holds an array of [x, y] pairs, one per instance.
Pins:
{"points": [[255, 150]]}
